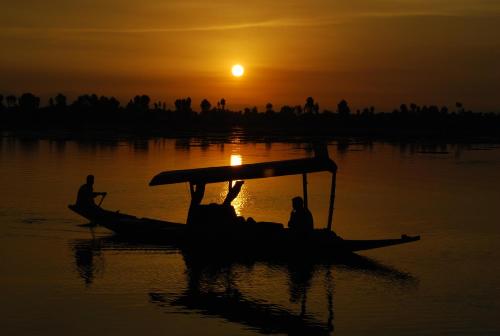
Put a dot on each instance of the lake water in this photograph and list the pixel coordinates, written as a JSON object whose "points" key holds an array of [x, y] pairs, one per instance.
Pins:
{"points": [[58, 278]]}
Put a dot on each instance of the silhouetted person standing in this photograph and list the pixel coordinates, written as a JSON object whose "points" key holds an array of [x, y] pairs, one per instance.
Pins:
{"points": [[301, 219], [86, 195]]}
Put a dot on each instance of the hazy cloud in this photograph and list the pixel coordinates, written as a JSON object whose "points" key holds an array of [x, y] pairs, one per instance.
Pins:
{"points": [[276, 23], [266, 24]]}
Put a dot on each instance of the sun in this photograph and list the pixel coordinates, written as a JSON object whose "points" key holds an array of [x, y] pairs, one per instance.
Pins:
{"points": [[237, 70]]}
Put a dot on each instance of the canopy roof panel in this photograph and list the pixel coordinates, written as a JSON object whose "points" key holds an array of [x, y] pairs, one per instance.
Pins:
{"points": [[246, 171]]}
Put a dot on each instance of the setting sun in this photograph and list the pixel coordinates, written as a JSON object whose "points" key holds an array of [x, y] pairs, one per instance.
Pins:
{"points": [[237, 70]]}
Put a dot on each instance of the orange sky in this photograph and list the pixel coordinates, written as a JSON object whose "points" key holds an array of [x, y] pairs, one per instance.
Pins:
{"points": [[369, 52]]}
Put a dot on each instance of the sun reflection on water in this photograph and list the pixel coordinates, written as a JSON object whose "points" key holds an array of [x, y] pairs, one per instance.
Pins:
{"points": [[236, 159], [240, 201]]}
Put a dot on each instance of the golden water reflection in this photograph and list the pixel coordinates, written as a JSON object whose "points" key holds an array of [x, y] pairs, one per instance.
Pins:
{"points": [[382, 191], [236, 160], [240, 201]]}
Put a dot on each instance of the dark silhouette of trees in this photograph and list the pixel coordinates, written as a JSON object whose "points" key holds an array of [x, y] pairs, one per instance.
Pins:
{"points": [[143, 101], [269, 109], [309, 105], [367, 112], [61, 101], [140, 103], [159, 106], [90, 110], [287, 111], [403, 109], [110, 104], [138, 109], [183, 106], [183, 111], [86, 102], [11, 101], [205, 106], [222, 104], [343, 108], [413, 108], [28, 102], [433, 111], [298, 110]]}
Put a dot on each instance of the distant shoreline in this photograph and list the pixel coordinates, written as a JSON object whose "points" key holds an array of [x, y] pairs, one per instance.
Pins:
{"points": [[91, 116]]}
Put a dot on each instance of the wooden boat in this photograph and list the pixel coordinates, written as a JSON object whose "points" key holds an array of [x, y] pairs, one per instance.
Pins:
{"points": [[216, 227]]}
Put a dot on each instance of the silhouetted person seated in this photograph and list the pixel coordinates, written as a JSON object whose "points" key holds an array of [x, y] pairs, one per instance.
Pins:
{"points": [[213, 216], [86, 195], [301, 220]]}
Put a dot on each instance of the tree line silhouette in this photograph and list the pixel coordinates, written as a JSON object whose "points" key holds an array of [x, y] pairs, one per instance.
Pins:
{"points": [[91, 110]]}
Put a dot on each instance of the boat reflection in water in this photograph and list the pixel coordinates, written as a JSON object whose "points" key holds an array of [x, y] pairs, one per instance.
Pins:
{"points": [[212, 291]]}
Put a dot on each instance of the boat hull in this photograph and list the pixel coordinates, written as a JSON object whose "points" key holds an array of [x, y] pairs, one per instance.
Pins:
{"points": [[246, 238]]}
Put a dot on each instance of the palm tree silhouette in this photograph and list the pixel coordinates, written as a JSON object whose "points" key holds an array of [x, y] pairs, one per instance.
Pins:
{"points": [[61, 100], [309, 106], [205, 106], [223, 104], [343, 108], [269, 108], [29, 102]]}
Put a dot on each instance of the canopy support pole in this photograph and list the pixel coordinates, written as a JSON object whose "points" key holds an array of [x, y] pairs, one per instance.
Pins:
{"points": [[304, 189], [332, 200]]}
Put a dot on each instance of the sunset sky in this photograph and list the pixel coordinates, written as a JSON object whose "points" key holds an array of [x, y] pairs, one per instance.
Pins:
{"points": [[369, 52]]}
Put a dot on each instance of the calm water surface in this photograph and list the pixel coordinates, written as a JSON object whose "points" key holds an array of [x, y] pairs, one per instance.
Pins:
{"points": [[60, 278]]}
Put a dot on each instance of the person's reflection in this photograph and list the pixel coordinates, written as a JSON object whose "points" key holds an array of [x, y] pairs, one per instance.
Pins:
{"points": [[88, 259], [300, 275]]}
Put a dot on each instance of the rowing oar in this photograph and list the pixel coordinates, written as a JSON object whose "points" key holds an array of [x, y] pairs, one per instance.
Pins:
{"points": [[102, 199]]}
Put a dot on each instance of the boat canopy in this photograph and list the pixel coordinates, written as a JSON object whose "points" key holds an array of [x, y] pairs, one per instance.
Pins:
{"points": [[246, 171]]}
